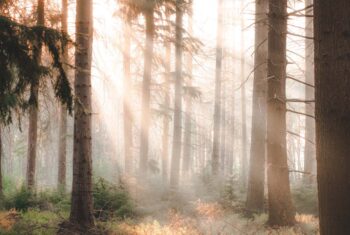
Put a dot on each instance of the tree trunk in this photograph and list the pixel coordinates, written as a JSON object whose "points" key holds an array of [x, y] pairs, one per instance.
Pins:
{"points": [[187, 148], [309, 156], [281, 210], [127, 98], [217, 106], [62, 145], [33, 111], [146, 92], [165, 138], [256, 179], [82, 205], [332, 47], [244, 160], [176, 151]]}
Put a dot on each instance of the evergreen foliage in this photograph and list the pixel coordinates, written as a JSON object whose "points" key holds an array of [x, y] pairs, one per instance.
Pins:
{"points": [[19, 67]]}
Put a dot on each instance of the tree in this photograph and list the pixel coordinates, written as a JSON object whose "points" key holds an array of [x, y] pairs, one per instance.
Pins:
{"points": [[127, 97], [256, 179], [81, 214], [281, 210], [332, 111], [187, 148], [165, 137], [33, 111], [146, 85], [176, 151], [62, 145], [310, 157], [217, 105], [244, 162]]}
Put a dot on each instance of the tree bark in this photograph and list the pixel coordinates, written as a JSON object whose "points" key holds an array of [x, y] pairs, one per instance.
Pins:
{"points": [[309, 156], [33, 111], [165, 138], [146, 92], [332, 50], [281, 210], [128, 118], [176, 151], [187, 148], [244, 160], [256, 179], [81, 213], [217, 107], [62, 145]]}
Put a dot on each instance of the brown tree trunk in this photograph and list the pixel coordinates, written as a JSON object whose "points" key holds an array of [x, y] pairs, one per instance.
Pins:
{"points": [[310, 155], [146, 91], [176, 151], [332, 47], [81, 213], [33, 111], [281, 210], [187, 148], [165, 138], [127, 98], [62, 145], [217, 107], [256, 179]]}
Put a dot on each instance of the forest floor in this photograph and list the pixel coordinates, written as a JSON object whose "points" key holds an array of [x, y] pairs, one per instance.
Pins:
{"points": [[159, 212]]}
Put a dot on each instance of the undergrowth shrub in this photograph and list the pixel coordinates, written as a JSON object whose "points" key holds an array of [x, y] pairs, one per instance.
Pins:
{"points": [[111, 200], [24, 199], [305, 199]]}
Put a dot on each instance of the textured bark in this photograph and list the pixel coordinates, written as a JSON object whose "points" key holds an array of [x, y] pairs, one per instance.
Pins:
{"points": [[62, 145], [256, 179], [128, 157], [33, 111], [176, 151], [146, 91], [82, 205], [217, 106], [332, 50], [281, 210], [310, 154], [166, 121], [187, 147]]}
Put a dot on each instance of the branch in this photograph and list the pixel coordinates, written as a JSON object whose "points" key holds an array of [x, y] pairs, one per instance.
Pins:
{"points": [[302, 137], [296, 112], [306, 84], [299, 101]]}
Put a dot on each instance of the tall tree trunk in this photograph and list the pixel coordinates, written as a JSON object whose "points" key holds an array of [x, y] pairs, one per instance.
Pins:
{"points": [[187, 148], [223, 132], [176, 151], [217, 106], [33, 111], [165, 138], [281, 210], [256, 179], [81, 213], [62, 145], [127, 98], [244, 160], [310, 155], [332, 47], [146, 90]]}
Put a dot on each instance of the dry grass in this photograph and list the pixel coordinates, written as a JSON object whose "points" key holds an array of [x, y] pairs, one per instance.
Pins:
{"points": [[8, 219]]}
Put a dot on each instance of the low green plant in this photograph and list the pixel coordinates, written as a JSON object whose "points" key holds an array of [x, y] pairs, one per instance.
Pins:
{"points": [[111, 200], [305, 199]]}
